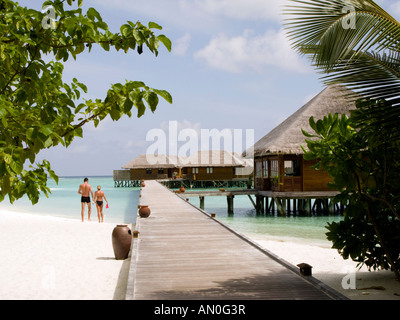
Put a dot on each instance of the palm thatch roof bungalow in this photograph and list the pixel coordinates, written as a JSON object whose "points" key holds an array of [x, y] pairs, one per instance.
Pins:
{"points": [[210, 165], [278, 156]]}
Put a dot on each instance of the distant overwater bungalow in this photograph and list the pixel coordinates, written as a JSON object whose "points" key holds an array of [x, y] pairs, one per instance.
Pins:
{"points": [[216, 168]]}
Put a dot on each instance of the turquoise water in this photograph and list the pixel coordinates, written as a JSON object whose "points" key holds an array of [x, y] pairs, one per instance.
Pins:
{"points": [[309, 230], [65, 202]]}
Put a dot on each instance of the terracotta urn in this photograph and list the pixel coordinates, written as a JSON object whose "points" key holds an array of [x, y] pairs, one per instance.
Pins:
{"points": [[121, 241], [182, 189], [143, 184], [144, 211]]}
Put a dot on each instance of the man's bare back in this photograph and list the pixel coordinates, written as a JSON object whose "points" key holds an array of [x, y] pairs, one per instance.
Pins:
{"points": [[85, 189]]}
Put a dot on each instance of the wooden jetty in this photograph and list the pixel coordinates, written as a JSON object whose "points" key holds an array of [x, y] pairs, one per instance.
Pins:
{"points": [[269, 201], [183, 253]]}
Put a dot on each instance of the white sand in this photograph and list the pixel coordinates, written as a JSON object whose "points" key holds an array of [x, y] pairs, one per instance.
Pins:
{"points": [[55, 258], [330, 268]]}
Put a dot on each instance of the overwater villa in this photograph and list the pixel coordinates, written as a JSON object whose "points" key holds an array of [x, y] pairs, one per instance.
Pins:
{"points": [[204, 168], [282, 177], [278, 156]]}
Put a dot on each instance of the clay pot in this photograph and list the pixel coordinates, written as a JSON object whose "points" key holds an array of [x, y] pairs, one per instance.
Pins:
{"points": [[121, 241], [143, 184], [144, 211], [182, 189]]}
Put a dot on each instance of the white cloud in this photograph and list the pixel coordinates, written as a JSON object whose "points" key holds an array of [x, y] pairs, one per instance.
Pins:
{"points": [[249, 52], [181, 45]]}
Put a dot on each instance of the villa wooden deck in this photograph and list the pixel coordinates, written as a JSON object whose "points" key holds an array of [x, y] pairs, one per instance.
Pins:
{"points": [[183, 253]]}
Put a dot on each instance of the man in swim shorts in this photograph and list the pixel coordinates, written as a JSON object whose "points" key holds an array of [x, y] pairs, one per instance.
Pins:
{"points": [[98, 197], [85, 189]]}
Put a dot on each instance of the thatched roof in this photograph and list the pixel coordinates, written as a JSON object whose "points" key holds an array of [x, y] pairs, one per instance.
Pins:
{"points": [[287, 138], [219, 158], [151, 161], [213, 158]]}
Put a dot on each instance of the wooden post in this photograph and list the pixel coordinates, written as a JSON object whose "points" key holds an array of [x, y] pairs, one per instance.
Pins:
{"points": [[308, 206], [284, 211], [229, 200], [259, 204], [266, 206], [252, 201], [280, 205], [331, 206], [201, 202]]}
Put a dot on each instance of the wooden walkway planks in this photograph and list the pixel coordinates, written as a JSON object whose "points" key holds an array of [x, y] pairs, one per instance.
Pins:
{"points": [[182, 253]]}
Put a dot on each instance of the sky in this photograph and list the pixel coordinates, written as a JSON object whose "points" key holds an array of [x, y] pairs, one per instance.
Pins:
{"points": [[231, 67]]}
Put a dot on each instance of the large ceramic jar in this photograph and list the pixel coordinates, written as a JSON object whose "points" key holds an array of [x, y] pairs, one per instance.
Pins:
{"points": [[121, 241], [144, 211]]}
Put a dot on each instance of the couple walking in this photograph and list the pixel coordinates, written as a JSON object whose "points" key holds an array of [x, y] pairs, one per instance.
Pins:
{"points": [[85, 189]]}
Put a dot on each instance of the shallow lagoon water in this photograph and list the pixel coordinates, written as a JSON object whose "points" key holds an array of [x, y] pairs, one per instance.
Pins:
{"points": [[65, 202]]}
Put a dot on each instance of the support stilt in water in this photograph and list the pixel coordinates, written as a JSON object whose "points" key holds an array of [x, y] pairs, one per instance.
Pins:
{"points": [[201, 202], [229, 200]]}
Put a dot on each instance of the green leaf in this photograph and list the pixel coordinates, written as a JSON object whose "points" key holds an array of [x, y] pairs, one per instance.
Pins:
{"points": [[141, 108], [167, 43], [92, 13], [126, 30], [152, 100], [105, 45], [17, 166], [136, 84], [115, 114], [164, 94], [47, 129], [153, 25], [308, 135], [128, 104]]}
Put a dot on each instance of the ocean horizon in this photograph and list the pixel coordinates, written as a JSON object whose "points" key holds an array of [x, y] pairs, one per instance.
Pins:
{"points": [[64, 202]]}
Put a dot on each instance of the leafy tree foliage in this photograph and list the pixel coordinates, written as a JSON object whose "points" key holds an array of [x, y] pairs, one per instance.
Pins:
{"points": [[37, 109], [364, 166]]}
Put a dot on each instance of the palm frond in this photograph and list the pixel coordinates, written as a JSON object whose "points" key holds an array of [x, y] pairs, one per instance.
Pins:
{"points": [[355, 43], [340, 27]]}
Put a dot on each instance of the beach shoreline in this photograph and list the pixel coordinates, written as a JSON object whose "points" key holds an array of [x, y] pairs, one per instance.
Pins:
{"points": [[46, 257]]}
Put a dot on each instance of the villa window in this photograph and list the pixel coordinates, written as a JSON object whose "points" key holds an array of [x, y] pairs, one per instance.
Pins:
{"points": [[265, 168], [195, 170], [274, 168], [209, 170], [292, 167], [160, 171], [258, 168], [149, 171]]}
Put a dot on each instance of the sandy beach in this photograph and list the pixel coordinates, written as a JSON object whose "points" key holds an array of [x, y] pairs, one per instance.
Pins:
{"points": [[60, 259], [54, 258], [329, 267]]}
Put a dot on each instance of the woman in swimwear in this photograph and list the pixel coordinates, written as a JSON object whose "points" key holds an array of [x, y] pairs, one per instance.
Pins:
{"points": [[98, 198]]}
